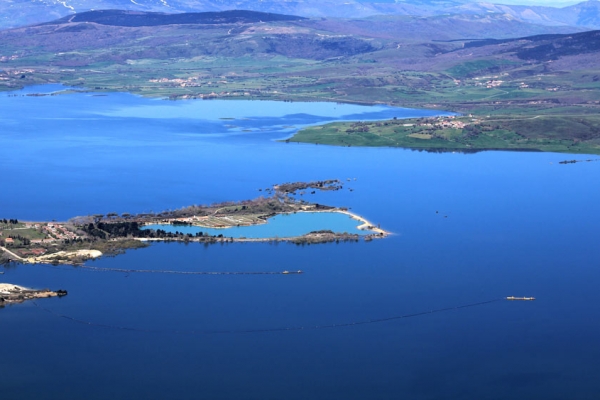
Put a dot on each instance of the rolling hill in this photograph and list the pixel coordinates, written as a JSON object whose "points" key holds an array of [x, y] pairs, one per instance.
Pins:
{"points": [[15, 13], [118, 35], [433, 44], [137, 19]]}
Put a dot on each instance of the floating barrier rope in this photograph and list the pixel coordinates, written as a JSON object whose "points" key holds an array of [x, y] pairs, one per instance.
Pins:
{"points": [[281, 329], [152, 271]]}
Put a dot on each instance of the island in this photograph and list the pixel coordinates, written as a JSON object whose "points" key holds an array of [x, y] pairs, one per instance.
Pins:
{"points": [[84, 238]]}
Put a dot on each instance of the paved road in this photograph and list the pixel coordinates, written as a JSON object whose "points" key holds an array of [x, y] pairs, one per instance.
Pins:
{"points": [[11, 253]]}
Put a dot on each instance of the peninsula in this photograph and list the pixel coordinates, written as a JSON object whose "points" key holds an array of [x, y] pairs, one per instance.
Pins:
{"points": [[13, 294], [84, 238], [469, 134]]}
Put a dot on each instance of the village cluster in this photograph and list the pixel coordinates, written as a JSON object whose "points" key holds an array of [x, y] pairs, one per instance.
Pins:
{"points": [[50, 231], [56, 231], [444, 123]]}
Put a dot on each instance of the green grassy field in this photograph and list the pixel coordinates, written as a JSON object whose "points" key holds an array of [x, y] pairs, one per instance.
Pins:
{"points": [[554, 133], [28, 233]]}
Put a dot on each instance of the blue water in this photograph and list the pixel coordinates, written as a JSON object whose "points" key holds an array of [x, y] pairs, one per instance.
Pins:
{"points": [[468, 228], [283, 226]]}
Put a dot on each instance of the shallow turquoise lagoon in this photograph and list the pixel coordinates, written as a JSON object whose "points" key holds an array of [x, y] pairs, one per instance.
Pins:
{"points": [[282, 226]]}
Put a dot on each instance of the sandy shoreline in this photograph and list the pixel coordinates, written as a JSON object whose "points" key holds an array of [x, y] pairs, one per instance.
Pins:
{"points": [[366, 224], [67, 254], [6, 288], [60, 256]]}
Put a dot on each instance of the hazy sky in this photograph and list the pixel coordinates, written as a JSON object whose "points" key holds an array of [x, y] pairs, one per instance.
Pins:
{"points": [[551, 3]]}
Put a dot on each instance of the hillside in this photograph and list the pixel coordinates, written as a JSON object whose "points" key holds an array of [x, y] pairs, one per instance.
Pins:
{"points": [[350, 57], [433, 44], [546, 47], [119, 36], [14, 13], [137, 19], [437, 28]]}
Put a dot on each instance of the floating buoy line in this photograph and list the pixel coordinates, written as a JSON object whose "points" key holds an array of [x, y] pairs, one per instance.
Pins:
{"points": [[280, 329], [174, 272], [154, 271]]}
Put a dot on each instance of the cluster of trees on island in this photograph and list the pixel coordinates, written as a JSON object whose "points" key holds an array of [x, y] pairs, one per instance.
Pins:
{"points": [[113, 230], [181, 223], [292, 187], [105, 230]]}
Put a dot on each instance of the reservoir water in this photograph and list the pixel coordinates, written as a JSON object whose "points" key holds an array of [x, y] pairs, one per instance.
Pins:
{"points": [[467, 228]]}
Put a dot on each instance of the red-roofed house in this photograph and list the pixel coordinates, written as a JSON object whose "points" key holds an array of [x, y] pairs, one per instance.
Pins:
{"points": [[38, 252]]}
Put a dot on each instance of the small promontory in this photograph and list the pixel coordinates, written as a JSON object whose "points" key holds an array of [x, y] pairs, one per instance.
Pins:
{"points": [[13, 294]]}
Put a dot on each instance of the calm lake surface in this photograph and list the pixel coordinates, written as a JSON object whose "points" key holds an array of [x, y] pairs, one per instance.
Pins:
{"points": [[283, 226], [467, 229]]}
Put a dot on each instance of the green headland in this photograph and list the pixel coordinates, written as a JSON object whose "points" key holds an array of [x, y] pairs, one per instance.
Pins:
{"points": [[560, 133]]}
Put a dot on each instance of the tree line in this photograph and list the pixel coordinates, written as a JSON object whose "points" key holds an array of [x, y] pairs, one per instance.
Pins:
{"points": [[24, 241], [106, 231]]}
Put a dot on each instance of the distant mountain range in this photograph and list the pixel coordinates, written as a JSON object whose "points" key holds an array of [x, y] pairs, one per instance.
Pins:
{"points": [[136, 18], [586, 14], [546, 47], [117, 36], [395, 28]]}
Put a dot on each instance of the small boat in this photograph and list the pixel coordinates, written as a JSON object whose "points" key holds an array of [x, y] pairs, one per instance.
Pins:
{"points": [[520, 298]]}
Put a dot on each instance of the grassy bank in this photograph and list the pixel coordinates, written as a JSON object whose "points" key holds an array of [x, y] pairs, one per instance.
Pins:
{"points": [[567, 133]]}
